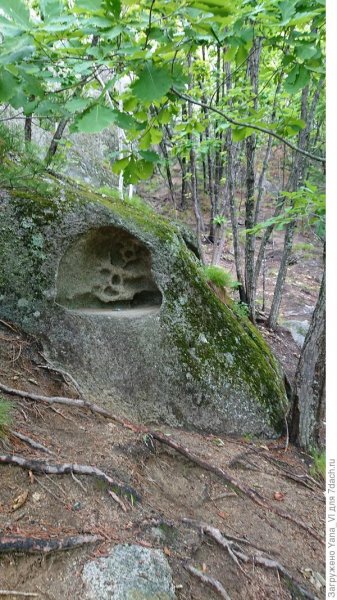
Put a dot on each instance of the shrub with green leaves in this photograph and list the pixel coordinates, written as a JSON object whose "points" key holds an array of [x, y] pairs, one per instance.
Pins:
{"points": [[219, 277], [240, 309]]}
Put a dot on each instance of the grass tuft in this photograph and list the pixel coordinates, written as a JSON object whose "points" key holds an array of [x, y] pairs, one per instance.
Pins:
{"points": [[219, 277]]}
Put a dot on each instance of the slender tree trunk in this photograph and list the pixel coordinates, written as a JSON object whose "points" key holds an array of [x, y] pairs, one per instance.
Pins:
{"points": [[184, 186], [219, 230], [195, 200], [204, 170], [265, 239], [260, 187], [278, 292], [184, 166], [194, 184], [249, 222], [167, 169], [253, 73], [208, 178], [231, 167], [55, 141], [297, 177], [28, 129], [218, 142], [264, 269], [228, 197], [235, 228], [309, 391], [260, 192]]}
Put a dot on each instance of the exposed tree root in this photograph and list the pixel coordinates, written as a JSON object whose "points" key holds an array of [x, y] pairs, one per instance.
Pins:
{"points": [[236, 553], [282, 467], [32, 545], [67, 377], [79, 402], [16, 593], [38, 466], [229, 479], [214, 583], [31, 442], [164, 439]]}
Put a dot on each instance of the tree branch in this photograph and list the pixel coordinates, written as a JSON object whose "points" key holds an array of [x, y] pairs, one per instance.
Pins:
{"points": [[320, 159]]}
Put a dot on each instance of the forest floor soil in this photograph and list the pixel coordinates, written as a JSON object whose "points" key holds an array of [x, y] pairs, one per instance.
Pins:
{"points": [[171, 488]]}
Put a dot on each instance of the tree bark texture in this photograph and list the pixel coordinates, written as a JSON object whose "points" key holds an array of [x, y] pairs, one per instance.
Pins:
{"points": [[296, 179], [308, 408], [28, 129], [55, 141], [253, 73], [278, 292]]}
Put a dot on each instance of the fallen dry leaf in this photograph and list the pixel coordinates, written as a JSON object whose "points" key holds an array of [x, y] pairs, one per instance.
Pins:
{"points": [[167, 551], [20, 500], [222, 514], [279, 496]]}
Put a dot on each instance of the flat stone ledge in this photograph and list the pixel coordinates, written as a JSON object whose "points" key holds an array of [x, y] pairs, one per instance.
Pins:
{"points": [[118, 313]]}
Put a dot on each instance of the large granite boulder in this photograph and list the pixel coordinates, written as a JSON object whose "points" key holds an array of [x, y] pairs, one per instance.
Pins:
{"points": [[119, 300]]}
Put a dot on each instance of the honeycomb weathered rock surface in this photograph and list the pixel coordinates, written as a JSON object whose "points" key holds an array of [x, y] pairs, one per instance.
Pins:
{"points": [[106, 268]]}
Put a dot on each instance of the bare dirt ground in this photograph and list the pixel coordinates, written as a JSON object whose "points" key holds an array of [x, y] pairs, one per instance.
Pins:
{"points": [[171, 488]]}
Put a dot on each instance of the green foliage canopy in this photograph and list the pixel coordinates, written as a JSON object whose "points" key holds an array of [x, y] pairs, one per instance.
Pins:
{"points": [[98, 62]]}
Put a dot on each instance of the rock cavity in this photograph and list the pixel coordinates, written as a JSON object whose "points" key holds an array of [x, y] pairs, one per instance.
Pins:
{"points": [[107, 269]]}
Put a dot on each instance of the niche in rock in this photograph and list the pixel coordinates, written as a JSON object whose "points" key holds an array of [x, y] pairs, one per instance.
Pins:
{"points": [[107, 269]]}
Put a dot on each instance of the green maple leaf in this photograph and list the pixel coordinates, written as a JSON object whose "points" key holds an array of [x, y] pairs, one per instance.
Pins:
{"points": [[152, 83]]}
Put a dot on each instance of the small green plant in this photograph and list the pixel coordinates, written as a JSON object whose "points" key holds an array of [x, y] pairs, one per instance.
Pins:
{"points": [[5, 415], [240, 309], [318, 467], [219, 277], [303, 247], [219, 220]]}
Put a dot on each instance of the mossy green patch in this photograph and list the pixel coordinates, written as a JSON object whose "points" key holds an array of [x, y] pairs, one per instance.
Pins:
{"points": [[237, 349]]}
